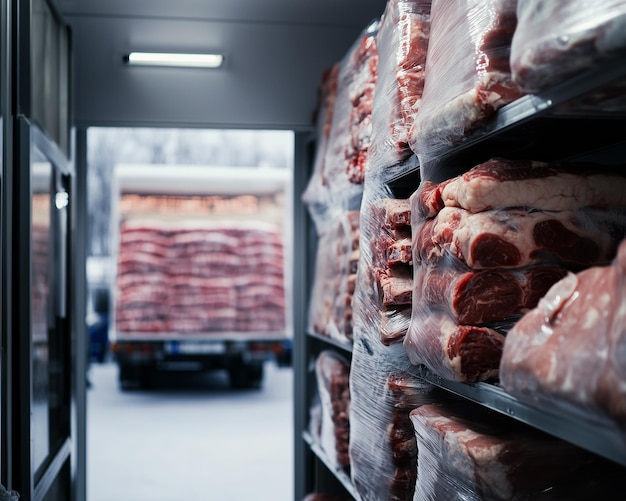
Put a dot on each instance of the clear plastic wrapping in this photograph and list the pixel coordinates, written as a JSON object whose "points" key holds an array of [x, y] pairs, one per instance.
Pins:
{"points": [[336, 265], [383, 450], [467, 76], [567, 354], [472, 455], [333, 382], [344, 123], [316, 196], [487, 246], [402, 42], [557, 40], [383, 390]]}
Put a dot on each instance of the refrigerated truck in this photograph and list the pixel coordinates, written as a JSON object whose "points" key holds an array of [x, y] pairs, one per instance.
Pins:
{"points": [[242, 354]]}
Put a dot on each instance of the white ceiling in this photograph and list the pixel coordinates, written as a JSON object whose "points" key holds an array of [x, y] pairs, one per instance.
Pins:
{"points": [[276, 51]]}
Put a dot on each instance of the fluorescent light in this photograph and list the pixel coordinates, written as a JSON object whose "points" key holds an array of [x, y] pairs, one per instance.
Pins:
{"points": [[171, 59]]}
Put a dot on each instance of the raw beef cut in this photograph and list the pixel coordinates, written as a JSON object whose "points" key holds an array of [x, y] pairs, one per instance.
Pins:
{"points": [[474, 297], [503, 183], [514, 238], [557, 40], [456, 352], [569, 352], [467, 454]]}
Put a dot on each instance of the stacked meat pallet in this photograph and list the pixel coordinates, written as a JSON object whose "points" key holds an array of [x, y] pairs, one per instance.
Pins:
{"points": [[200, 278]]}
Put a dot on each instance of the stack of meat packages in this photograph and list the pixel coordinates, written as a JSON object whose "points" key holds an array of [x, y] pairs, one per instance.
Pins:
{"points": [[208, 278], [468, 453], [335, 190], [467, 74], [488, 245], [330, 308], [332, 373], [383, 449], [402, 42], [382, 445]]}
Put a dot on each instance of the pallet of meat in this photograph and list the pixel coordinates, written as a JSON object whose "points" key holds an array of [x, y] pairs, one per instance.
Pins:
{"points": [[467, 453], [332, 373], [555, 41], [336, 264], [489, 244], [402, 42], [467, 76], [567, 354]]}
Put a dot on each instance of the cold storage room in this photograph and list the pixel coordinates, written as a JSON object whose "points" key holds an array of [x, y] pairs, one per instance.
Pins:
{"points": [[454, 239]]}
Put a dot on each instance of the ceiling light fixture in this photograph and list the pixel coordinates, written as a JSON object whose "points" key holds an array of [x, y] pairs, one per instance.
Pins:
{"points": [[175, 59]]}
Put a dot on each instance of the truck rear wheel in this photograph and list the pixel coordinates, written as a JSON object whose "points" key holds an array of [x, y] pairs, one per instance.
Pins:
{"points": [[245, 376], [133, 377]]}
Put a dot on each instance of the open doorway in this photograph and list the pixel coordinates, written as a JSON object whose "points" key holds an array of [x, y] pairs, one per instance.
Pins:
{"points": [[189, 273]]}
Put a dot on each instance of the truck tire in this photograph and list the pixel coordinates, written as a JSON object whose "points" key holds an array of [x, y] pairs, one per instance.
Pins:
{"points": [[133, 377], [246, 376]]}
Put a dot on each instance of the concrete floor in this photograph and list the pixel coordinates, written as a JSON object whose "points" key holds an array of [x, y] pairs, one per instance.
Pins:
{"points": [[190, 438]]}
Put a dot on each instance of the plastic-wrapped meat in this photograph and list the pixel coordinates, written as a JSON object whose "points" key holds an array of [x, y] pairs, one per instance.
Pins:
{"points": [[333, 381], [467, 454], [316, 196], [361, 94], [512, 238], [402, 41], [504, 183], [467, 74], [456, 352], [383, 451], [568, 352], [330, 309], [557, 40], [475, 297]]}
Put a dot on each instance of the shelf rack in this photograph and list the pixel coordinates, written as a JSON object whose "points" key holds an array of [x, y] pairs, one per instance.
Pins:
{"points": [[525, 129]]}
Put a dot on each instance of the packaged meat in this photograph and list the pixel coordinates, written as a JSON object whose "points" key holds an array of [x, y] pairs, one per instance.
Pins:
{"points": [[316, 195], [337, 258], [385, 286], [451, 350], [471, 454], [383, 390], [505, 183], [402, 42], [333, 382], [383, 450], [467, 74], [223, 277], [567, 354], [488, 245], [555, 41], [514, 238], [477, 297], [350, 131]]}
